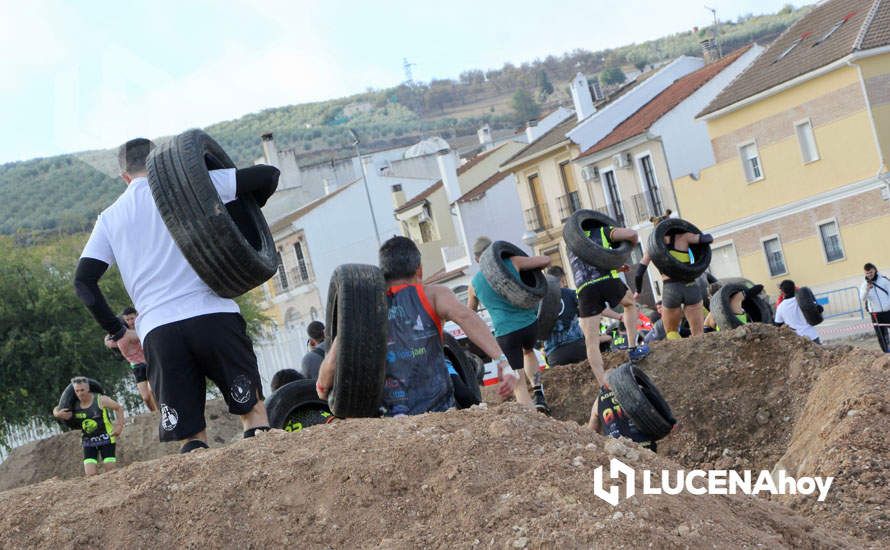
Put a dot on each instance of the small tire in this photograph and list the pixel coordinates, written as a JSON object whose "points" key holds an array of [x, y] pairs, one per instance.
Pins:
{"points": [[524, 292], [806, 300], [295, 406], [667, 264], [757, 308], [589, 250], [357, 316], [466, 368], [229, 246], [549, 308], [68, 399], [641, 401]]}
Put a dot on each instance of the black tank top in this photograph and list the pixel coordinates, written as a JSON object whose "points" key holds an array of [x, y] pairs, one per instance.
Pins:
{"points": [[94, 423]]}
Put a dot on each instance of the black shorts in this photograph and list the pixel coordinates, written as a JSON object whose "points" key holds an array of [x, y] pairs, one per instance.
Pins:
{"points": [[184, 354], [91, 454], [140, 372], [568, 354], [595, 297], [515, 343]]}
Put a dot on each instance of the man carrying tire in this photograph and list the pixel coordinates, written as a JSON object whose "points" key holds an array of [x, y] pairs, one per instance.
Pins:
{"points": [[875, 292], [140, 370], [514, 327], [789, 313], [417, 380], [565, 345], [189, 332], [90, 412]]}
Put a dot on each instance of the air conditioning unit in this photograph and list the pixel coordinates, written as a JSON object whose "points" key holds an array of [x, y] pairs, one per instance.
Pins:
{"points": [[621, 160], [590, 173]]}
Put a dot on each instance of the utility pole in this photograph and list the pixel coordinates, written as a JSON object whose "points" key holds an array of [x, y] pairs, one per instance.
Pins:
{"points": [[409, 77], [716, 31], [355, 143]]}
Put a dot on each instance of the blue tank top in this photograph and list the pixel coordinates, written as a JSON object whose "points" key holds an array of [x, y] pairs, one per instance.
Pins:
{"points": [[417, 379], [505, 317]]}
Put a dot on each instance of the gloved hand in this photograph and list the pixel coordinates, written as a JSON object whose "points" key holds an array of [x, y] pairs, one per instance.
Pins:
{"points": [[705, 238]]}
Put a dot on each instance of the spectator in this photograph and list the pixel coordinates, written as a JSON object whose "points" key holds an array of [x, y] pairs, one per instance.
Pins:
{"points": [[789, 313], [285, 376], [317, 349], [657, 333], [565, 345], [875, 292]]}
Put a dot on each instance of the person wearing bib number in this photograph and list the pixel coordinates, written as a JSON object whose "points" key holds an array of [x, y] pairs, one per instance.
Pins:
{"points": [[100, 433]]}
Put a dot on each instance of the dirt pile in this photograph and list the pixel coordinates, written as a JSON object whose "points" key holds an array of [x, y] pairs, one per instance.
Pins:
{"points": [[60, 456], [502, 477], [762, 398]]}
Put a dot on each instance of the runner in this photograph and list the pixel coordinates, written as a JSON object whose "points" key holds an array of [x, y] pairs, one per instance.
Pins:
{"points": [[680, 298], [189, 332], [657, 333], [607, 417], [417, 378], [789, 313], [99, 433], [516, 328], [565, 345], [285, 376], [735, 304], [140, 370]]}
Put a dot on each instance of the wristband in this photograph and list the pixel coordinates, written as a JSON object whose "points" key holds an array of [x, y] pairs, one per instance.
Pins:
{"points": [[119, 334]]}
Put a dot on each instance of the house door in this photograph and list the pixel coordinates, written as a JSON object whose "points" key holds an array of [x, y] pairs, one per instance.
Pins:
{"points": [[725, 262], [613, 198]]}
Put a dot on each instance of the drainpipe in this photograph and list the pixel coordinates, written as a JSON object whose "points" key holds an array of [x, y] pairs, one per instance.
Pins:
{"points": [[871, 117], [667, 163]]}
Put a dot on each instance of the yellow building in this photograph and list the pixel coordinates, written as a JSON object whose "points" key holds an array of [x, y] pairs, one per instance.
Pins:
{"points": [[799, 188]]}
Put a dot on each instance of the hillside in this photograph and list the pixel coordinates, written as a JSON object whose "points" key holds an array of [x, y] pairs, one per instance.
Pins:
{"points": [[65, 193]]}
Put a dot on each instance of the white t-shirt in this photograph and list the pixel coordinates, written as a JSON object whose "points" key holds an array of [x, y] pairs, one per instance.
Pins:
{"points": [[789, 313], [163, 286]]}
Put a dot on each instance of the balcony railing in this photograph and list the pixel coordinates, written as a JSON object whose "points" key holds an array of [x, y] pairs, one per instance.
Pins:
{"points": [[615, 211], [537, 218], [644, 207], [568, 204]]}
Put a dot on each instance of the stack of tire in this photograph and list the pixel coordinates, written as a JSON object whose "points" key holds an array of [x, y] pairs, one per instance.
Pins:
{"points": [[68, 400]]}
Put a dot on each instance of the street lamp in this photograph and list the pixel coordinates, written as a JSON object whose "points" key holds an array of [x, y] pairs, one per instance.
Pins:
{"points": [[355, 143]]}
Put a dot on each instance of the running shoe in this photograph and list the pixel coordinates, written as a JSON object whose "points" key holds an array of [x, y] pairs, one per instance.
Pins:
{"points": [[638, 353], [540, 403]]}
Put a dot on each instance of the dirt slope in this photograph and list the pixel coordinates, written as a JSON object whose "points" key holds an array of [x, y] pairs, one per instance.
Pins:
{"points": [[761, 398], [60, 456], [500, 477]]}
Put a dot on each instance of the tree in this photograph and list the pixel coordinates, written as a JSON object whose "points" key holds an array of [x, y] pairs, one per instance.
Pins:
{"points": [[641, 64], [545, 87], [524, 106], [612, 76]]}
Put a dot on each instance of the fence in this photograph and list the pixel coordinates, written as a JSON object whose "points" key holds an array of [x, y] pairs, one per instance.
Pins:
{"points": [[843, 302], [282, 350]]}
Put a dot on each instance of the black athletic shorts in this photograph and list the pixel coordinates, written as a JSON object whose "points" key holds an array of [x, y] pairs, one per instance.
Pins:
{"points": [[183, 354], [140, 372], [91, 454], [516, 342], [594, 298]]}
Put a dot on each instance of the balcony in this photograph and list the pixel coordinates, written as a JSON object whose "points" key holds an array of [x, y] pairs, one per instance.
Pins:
{"points": [[615, 211], [537, 218], [568, 204], [647, 205]]}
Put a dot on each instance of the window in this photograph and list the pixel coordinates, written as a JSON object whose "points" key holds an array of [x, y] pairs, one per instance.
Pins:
{"points": [[302, 265], [282, 274], [834, 28], [650, 185], [425, 222], [791, 47], [751, 162], [807, 141], [613, 199], [775, 259], [831, 241]]}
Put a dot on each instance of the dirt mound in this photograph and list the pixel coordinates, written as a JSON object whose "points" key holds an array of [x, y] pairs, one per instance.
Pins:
{"points": [[60, 456], [762, 398], [502, 477]]}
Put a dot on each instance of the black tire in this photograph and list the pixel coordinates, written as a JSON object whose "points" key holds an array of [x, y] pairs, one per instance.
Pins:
{"points": [[357, 317], [524, 292], [757, 308], [806, 300], [589, 250], [466, 369], [296, 405], [667, 264], [641, 400], [68, 399], [748, 284], [229, 247], [549, 308]]}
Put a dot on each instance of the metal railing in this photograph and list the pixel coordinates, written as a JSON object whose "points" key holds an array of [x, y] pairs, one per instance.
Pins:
{"points": [[537, 218], [843, 302], [568, 204], [615, 211]]}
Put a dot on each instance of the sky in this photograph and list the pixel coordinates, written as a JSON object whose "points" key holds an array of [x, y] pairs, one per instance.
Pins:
{"points": [[80, 75]]}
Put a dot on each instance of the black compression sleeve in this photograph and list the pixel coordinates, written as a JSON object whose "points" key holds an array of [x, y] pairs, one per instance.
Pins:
{"points": [[638, 277], [86, 285], [260, 180]]}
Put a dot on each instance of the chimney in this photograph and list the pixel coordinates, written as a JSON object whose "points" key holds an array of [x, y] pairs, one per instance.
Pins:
{"points": [[448, 171], [484, 135], [531, 130], [398, 196], [709, 50], [581, 97], [270, 152]]}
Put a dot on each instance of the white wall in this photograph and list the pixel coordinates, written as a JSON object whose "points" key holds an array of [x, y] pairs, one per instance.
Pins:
{"points": [[686, 140], [497, 215], [593, 129]]}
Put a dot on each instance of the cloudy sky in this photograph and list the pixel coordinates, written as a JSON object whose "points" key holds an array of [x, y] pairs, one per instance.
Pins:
{"points": [[84, 74]]}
